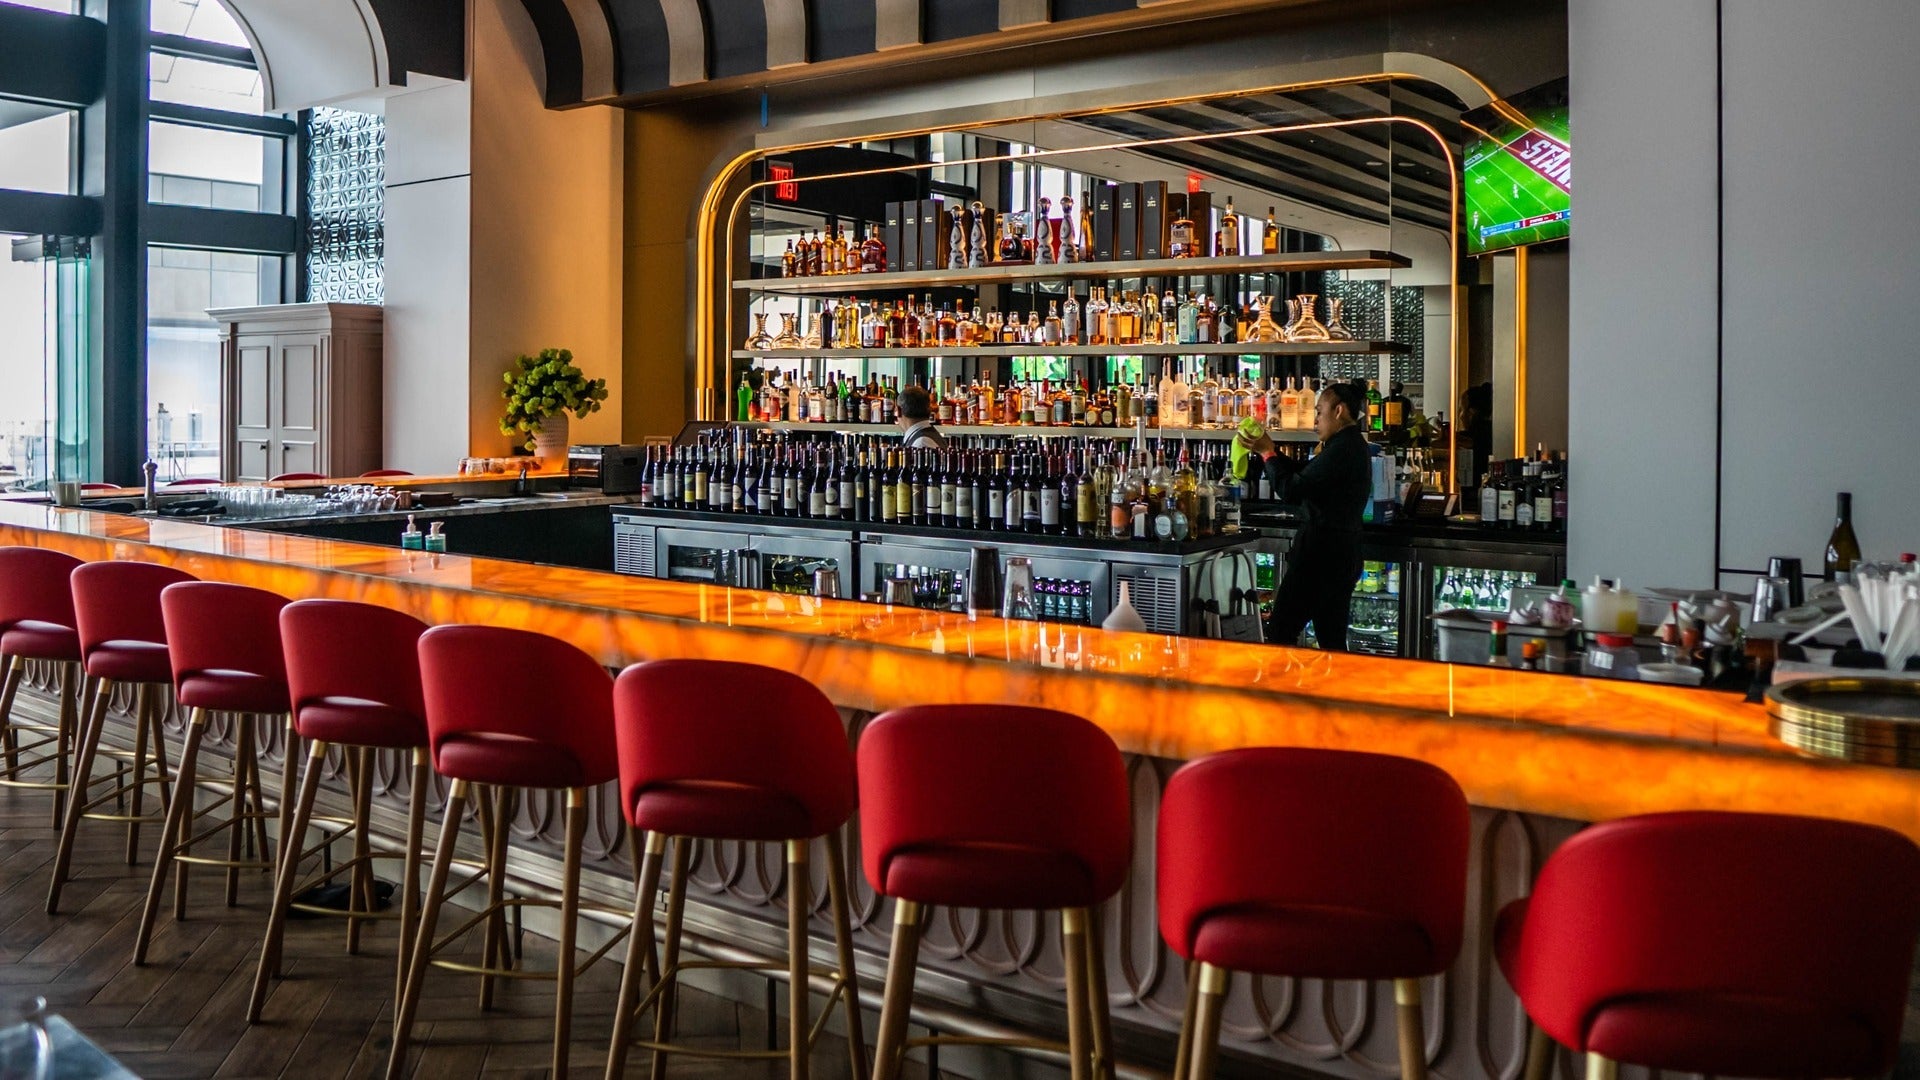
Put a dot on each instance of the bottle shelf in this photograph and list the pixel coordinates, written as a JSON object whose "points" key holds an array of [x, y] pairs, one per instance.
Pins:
{"points": [[1284, 263], [1251, 348], [1216, 434]]}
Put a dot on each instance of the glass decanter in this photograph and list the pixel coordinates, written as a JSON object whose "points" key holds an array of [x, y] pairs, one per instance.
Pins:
{"points": [[1293, 316], [789, 337], [977, 253], [1264, 328], [1336, 328], [1307, 326], [816, 337], [758, 340]]}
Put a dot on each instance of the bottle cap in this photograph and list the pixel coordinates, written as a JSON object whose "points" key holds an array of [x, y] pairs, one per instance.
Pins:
{"points": [[1499, 626], [1532, 650], [1614, 641]]}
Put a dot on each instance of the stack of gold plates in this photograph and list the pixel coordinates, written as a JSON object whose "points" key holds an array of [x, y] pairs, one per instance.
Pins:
{"points": [[1864, 719]]}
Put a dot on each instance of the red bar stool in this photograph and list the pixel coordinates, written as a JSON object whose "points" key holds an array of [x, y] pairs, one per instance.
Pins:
{"points": [[122, 641], [286, 477], [224, 641], [1762, 945], [995, 806], [354, 674], [1325, 864], [508, 709], [37, 622], [766, 761]]}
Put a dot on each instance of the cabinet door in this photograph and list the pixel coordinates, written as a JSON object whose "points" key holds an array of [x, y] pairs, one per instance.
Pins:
{"points": [[253, 407], [298, 402]]}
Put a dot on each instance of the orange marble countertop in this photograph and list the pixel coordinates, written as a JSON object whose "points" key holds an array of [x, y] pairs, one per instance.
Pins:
{"points": [[1587, 749]]}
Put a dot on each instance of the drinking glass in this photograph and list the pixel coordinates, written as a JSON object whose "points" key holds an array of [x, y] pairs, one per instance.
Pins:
{"points": [[26, 1046]]}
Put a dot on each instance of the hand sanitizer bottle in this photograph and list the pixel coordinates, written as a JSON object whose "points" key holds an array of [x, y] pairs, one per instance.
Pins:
{"points": [[411, 538], [436, 540]]}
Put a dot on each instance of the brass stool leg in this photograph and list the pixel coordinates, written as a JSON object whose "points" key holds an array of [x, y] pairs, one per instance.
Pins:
{"points": [[640, 956], [174, 834], [799, 907], [843, 946], [409, 1001], [1104, 1066], [1206, 1021], [142, 699], [569, 912], [82, 775], [9, 686], [1073, 943], [1413, 1032], [410, 866], [1599, 1068], [1182, 1056], [890, 1053], [283, 886], [1539, 1053], [663, 1008]]}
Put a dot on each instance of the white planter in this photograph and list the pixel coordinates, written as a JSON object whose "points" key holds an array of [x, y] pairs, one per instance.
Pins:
{"points": [[550, 442]]}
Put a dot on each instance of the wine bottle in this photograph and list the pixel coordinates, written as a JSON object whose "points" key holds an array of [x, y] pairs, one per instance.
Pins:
{"points": [[1843, 548]]}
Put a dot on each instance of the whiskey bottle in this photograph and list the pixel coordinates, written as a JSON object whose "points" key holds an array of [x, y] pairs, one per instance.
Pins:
{"points": [[873, 253], [789, 262], [1226, 240], [1270, 239], [1182, 241]]}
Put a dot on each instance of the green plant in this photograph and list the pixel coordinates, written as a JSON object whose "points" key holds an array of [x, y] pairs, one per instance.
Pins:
{"points": [[541, 386]]}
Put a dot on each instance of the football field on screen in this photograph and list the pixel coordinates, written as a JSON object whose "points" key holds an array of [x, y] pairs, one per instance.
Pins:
{"points": [[1501, 189]]}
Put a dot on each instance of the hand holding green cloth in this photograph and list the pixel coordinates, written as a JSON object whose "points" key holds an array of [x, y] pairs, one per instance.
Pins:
{"points": [[1241, 452]]}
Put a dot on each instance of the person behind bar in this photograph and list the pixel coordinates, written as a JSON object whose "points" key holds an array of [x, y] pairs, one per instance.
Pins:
{"points": [[1332, 489], [916, 420]]}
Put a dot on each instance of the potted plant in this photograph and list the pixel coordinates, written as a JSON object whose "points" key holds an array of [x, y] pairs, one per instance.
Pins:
{"points": [[540, 392]]}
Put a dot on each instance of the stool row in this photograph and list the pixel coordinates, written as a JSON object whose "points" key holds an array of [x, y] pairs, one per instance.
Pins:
{"points": [[1747, 944]]}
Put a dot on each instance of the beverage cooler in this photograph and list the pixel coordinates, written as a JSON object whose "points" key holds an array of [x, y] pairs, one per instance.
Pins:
{"points": [[1069, 586], [723, 554]]}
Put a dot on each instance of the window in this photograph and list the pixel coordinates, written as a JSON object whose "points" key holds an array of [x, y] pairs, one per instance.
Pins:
{"points": [[23, 369], [346, 163], [35, 153], [184, 80], [194, 166], [69, 7], [183, 349], [202, 19]]}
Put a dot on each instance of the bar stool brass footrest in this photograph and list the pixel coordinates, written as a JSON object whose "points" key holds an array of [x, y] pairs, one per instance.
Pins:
{"points": [[770, 967], [511, 904]]}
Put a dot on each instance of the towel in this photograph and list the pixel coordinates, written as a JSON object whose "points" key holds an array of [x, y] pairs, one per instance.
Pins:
{"points": [[1240, 454]]}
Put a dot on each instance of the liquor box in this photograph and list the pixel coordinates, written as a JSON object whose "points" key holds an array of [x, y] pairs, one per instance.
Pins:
{"points": [[908, 255], [1126, 221], [933, 234], [1200, 209], [1153, 219], [1103, 221], [890, 235]]}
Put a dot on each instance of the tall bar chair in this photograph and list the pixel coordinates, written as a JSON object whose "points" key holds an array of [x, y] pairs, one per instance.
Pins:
{"points": [[353, 671], [224, 641], [1732, 944], [995, 806], [37, 622], [506, 710], [123, 641], [1325, 864], [766, 761]]}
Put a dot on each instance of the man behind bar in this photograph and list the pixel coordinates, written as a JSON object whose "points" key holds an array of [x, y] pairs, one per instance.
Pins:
{"points": [[1332, 490]]}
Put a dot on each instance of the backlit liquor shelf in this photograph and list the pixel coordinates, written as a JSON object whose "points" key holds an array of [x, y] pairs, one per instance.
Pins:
{"points": [[1004, 274], [1038, 431], [1247, 348]]}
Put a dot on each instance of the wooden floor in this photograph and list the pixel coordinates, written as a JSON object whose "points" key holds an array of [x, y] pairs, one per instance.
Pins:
{"points": [[182, 1015]]}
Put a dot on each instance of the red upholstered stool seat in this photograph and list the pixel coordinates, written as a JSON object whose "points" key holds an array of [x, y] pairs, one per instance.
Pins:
{"points": [[123, 640], [996, 806], [1322, 864], [1710, 942], [353, 674], [37, 622], [719, 750], [506, 710], [227, 690]]}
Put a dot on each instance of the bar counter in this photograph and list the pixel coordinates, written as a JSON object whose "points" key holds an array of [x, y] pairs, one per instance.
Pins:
{"points": [[1585, 749], [1536, 754]]}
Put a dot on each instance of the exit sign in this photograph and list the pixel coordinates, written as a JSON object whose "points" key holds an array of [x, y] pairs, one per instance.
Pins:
{"points": [[784, 187], [1194, 182]]}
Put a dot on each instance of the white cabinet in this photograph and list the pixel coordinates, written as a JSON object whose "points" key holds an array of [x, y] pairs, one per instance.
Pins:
{"points": [[301, 386]]}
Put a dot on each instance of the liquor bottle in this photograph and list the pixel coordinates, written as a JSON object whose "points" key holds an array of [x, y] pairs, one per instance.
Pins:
{"points": [[1097, 316], [976, 492], [790, 261], [1066, 488], [1226, 239], [997, 493], [1843, 548], [1505, 492], [949, 502], [1560, 495], [1270, 239], [1490, 495], [840, 493], [1030, 486], [764, 486], [873, 253], [1050, 330], [1523, 498], [1186, 487], [1395, 409], [1086, 504], [1182, 240], [1070, 320], [1375, 420], [963, 491]]}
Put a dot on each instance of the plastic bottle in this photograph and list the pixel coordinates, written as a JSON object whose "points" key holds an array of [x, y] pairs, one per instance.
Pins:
{"points": [[411, 538], [436, 540]]}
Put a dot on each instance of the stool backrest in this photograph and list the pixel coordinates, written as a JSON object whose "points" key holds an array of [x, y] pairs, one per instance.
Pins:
{"points": [[120, 601], [994, 774], [729, 722], [1761, 905], [36, 585], [1333, 828], [343, 649], [493, 680], [214, 626]]}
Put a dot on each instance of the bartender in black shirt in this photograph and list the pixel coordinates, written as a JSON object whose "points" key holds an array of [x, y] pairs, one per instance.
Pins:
{"points": [[1332, 490]]}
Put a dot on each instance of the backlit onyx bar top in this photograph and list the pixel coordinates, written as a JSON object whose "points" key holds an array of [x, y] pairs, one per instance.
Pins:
{"points": [[1576, 748]]}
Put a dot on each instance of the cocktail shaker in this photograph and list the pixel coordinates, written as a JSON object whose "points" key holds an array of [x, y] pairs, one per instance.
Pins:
{"points": [[983, 580], [1016, 596]]}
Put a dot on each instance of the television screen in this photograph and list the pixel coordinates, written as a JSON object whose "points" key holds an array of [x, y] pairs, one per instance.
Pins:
{"points": [[1518, 172]]}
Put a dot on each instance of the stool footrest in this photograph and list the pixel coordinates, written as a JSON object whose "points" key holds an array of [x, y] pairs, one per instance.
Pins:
{"points": [[230, 864]]}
